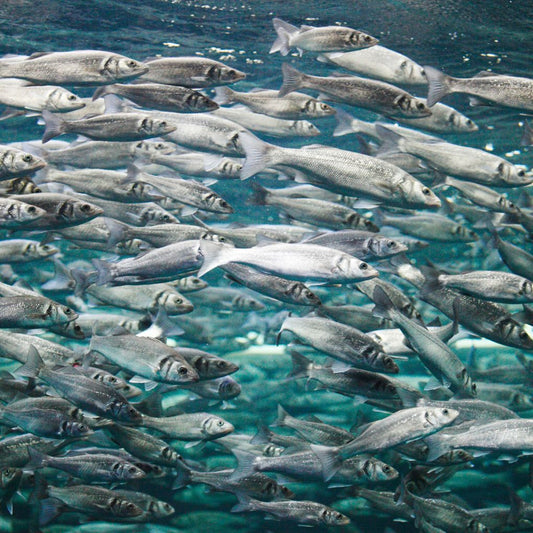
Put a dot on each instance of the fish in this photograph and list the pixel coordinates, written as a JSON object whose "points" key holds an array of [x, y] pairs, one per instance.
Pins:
{"points": [[73, 67], [109, 127], [192, 72], [379, 62], [376, 96], [318, 39], [498, 89]]}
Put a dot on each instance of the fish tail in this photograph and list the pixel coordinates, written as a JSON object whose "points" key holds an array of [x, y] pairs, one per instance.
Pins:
{"points": [[224, 95], [260, 195], [438, 85], [82, 280], [384, 305], [118, 231], [284, 31], [54, 126], [245, 504], [106, 271], [292, 80], [329, 457], [517, 509], [183, 476], [102, 91], [33, 364], [214, 254], [392, 141], [37, 459], [61, 280], [282, 416], [346, 123], [258, 155], [246, 464], [300, 365], [49, 509], [527, 135], [262, 436]]}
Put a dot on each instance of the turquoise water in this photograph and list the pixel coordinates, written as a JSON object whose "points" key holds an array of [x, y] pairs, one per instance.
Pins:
{"points": [[456, 37]]}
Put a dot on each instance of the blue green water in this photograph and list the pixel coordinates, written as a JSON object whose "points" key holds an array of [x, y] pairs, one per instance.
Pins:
{"points": [[458, 37]]}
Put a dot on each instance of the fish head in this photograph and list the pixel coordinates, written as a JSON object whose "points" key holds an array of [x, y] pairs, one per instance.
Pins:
{"points": [[357, 40], [224, 74], [460, 123], [218, 367], [154, 147], [303, 294], [174, 303], [349, 267], [176, 370], [305, 128], [475, 526], [160, 509], [62, 100], [24, 212], [410, 107], [198, 102], [122, 507], [333, 518], [418, 195], [40, 250], [123, 470], [375, 470], [386, 363], [9, 475], [454, 457], [386, 247], [123, 411], [215, 427], [513, 174], [152, 215], [213, 202], [132, 247], [438, 417], [316, 108], [71, 428], [410, 72], [228, 388], [19, 162], [229, 168], [85, 210], [122, 68]]}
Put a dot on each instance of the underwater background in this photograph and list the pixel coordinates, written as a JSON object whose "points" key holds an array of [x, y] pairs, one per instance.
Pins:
{"points": [[457, 37]]}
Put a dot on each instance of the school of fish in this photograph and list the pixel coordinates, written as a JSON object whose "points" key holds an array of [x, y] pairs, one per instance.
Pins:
{"points": [[193, 293]]}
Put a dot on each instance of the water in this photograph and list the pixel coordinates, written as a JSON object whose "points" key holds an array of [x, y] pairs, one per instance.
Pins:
{"points": [[457, 37]]}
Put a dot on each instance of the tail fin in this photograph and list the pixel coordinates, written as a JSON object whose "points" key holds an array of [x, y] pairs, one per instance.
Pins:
{"points": [[439, 85], [245, 504], [246, 464], [527, 136], [284, 31], [345, 123], [102, 91], [33, 364], [329, 457], [392, 142], [257, 154], [62, 279], [384, 304], [37, 459], [106, 271], [262, 436], [282, 416], [54, 126], [292, 80], [82, 280], [260, 195], [224, 95], [214, 254], [118, 231], [300, 365]]}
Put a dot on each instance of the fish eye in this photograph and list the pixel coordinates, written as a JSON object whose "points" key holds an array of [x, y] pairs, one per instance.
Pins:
{"points": [[390, 244], [165, 218], [521, 173], [130, 506], [445, 411], [163, 123], [178, 300], [31, 209], [426, 191], [71, 97], [363, 266], [132, 470], [85, 208], [132, 63], [27, 158], [386, 469], [220, 423], [403, 64], [68, 311], [420, 105], [523, 335], [231, 72], [182, 371]]}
